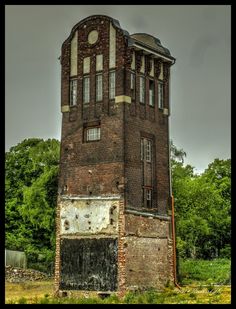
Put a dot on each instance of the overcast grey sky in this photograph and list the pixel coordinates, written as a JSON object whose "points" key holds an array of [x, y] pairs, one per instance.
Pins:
{"points": [[198, 36]]}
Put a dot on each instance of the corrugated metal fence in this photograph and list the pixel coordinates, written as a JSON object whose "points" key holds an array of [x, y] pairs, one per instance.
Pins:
{"points": [[15, 258]]}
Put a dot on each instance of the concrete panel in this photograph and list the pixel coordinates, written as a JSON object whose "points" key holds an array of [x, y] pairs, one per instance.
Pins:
{"points": [[99, 62], [142, 69], [65, 108], [85, 217], [161, 73], [133, 62], [112, 47], [73, 54], [86, 65], [152, 68], [122, 99]]}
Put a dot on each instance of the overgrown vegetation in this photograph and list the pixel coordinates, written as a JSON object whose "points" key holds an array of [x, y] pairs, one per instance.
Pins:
{"points": [[202, 208], [202, 204], [31, 193], [203, 272], [187, 295]]}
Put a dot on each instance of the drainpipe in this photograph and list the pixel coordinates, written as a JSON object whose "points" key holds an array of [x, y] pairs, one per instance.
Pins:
{"points": [[174, 242]]}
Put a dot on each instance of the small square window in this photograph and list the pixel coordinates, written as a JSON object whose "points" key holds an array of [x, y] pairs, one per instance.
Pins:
{"points": [[93, 134]]}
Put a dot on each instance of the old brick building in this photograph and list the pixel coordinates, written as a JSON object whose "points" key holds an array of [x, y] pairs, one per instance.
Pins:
{"points": [[113, 215]]}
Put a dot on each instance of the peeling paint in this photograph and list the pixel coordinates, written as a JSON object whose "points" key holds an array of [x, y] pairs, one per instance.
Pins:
{"points": [[89, 217]]}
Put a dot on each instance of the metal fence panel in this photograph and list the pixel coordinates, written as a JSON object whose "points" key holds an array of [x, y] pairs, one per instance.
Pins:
{"points": [[15, 258]]}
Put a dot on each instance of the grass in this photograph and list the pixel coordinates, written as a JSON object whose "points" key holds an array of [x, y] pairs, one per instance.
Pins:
{"points": [[198, 286], [206, 272], [187, 295]]}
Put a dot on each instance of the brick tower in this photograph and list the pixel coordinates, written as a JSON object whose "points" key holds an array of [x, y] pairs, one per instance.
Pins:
{"points": [[113, 214]]}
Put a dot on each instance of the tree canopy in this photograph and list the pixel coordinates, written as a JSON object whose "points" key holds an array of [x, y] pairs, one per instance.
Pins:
{"points": [[202, 202], [31, 172], [202, 207]]}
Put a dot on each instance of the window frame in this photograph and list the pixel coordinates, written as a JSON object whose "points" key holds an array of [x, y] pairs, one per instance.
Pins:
{"points": [[86, 134], [86, 90], [149, 199], [151, 97], [112, 87], [142, 89], [99, 89], [132, 84], [73, 97]]}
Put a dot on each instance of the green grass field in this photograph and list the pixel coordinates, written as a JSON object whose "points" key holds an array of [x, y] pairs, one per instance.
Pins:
{"points": [[202, 282]]}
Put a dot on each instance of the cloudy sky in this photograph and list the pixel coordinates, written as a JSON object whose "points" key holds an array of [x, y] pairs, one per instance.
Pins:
{"points": [[198, 36]]}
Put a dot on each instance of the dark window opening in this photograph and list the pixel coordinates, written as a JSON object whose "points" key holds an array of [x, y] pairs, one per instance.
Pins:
{"points": [[132, 85]]}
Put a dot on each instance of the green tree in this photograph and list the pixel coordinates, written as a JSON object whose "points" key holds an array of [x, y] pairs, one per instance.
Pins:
{"points": [[30, 195], [202, 207]]}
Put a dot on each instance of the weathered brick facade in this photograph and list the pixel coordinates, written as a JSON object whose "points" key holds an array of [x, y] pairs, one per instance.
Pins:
{"points": [[113, 215]]}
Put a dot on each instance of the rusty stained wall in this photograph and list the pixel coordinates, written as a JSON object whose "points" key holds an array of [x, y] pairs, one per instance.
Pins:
{"points": [[148, 252], [86, 217]]}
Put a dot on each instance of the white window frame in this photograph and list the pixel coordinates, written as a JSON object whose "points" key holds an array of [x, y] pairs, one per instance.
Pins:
{"points": [[160, 94], [93, 134], [149, 198], [112, 85], [142, 89], [148, 150], [151, 93], [149, 194], [86, 89], [73, 92], [142, 149], [99, 87]]}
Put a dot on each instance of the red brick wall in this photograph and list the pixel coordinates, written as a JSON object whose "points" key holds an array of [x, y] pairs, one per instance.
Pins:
{"points": [[140, 119], [105, 157], [149, 260], [112, 165]]}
